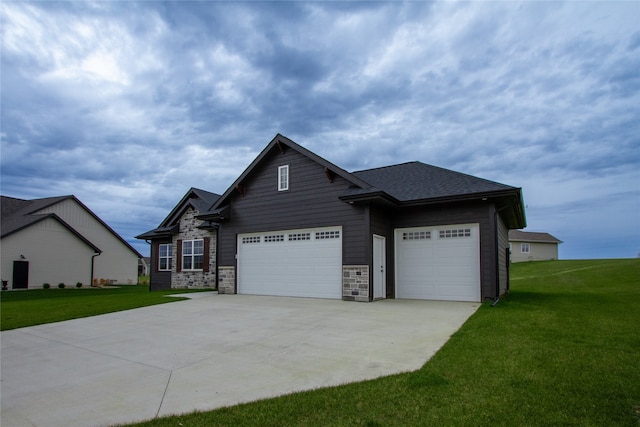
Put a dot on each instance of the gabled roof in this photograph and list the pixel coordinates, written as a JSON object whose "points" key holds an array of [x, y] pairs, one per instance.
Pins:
{"points": [[280, 142], [196, 198], [200, 200], [527, 236], [18, 214], [406, 184]]}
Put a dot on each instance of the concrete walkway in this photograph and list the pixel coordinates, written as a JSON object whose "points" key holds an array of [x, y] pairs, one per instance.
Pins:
{"points": [[209, 352]]}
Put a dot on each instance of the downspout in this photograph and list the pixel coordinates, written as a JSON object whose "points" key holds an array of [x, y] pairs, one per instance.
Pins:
{"points": [[93, 257], [217, 256]]}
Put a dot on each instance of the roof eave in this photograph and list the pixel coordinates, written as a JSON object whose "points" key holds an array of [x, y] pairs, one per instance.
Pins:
{"points": [[372, 197], [216, 215], [159, 233]]}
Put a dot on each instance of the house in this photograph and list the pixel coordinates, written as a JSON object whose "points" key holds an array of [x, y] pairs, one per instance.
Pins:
{"points": [[144, 264], [296, 224], [529, 246], [60, 240], [182, 232]]}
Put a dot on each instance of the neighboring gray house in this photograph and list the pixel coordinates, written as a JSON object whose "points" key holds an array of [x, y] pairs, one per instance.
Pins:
{"points": [[529, 246], [144, 266], [296, 224], [60, 240]]}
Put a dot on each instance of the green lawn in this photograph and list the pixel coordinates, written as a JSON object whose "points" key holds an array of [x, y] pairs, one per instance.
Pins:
{"points": [[562, 348], [38, 306]]}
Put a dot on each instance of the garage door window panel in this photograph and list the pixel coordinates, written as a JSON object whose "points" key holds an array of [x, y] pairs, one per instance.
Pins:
{"points": [[455, 233]]}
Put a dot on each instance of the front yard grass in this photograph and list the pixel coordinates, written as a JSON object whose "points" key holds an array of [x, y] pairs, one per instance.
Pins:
{"points": [[38, 306], [562, 348]]}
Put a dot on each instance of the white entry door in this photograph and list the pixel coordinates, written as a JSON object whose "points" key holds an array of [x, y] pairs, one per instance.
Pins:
{"points": [[438, 263], [379, 267], [300, 263]]}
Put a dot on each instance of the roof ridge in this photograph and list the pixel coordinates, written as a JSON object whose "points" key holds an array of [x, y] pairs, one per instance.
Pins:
{"points": [[14, 198], [206, 191], [387, 166]]}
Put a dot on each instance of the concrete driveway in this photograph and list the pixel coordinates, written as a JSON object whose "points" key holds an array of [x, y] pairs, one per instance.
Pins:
{"points": [[208, 352]]}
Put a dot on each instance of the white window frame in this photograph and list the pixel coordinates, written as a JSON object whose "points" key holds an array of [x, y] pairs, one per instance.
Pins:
{"points": [[283, 178], [189, 253], [525, 248], [168, 256]]}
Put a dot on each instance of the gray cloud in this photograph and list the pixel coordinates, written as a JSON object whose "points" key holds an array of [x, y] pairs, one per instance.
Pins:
{"points": [[127, 105]]}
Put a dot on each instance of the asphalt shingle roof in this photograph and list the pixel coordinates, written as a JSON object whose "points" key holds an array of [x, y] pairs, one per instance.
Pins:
{"points": [[419, 181], [530, 236], [205, 199], [202, 201], [16, 213]]}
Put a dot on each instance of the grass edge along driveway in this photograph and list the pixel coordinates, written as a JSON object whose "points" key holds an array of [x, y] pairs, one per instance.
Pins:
{"points": [[39, 306], [562, 348]]}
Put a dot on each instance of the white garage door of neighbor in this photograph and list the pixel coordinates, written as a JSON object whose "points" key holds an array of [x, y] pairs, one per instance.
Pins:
{"points": [[300, 263], [438, 263]]}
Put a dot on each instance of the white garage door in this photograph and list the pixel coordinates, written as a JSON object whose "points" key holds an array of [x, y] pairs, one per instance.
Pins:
{"points": [[438, 263], [300, 263]]}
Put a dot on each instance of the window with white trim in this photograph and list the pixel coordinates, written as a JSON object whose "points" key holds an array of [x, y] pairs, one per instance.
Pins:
{"points": [[524, 248], [165, 255], [192, 254], [283, 178]]}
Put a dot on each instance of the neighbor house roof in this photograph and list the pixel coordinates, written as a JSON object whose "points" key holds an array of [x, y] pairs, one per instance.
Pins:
{"points": [[18, 214], [527, 236]]}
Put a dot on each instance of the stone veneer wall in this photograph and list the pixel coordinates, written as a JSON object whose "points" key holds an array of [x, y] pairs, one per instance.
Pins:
{"points": [[355, 283], [188, 231], [226, 280]]}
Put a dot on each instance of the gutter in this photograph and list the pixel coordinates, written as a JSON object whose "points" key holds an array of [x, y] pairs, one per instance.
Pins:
{"points": [[93, 257]]}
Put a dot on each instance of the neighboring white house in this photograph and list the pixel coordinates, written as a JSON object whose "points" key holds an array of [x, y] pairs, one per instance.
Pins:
{"points": [[529, 246], [59, 240]]}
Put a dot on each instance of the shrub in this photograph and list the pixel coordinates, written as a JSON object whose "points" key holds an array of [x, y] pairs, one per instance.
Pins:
{"points": [[61, 285], [79, 285], [46, 286]]}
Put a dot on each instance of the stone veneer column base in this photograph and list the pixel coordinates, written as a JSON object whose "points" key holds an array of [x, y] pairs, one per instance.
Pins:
{"points": [[226, 280], [355, 283]]}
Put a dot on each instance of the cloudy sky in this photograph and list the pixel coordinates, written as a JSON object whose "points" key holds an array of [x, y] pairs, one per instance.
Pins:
{"points": [[129, 104]]}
